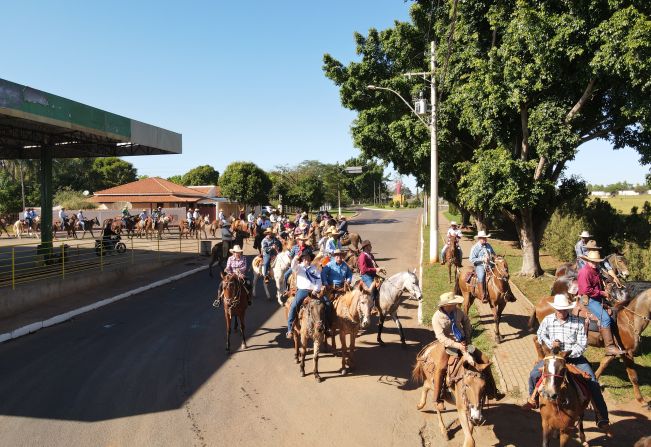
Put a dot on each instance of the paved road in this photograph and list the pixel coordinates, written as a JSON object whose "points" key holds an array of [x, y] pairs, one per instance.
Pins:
{"points": [[151, 370]]}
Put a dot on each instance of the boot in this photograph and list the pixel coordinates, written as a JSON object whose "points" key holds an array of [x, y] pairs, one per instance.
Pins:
{"points": [[437, 388], [609, 342], [481, 291]]}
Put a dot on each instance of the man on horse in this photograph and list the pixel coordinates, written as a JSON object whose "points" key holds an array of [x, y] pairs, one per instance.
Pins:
{"points": [[143, 215], [190, 218], [333, 242], [250, 219], [63, 216], [270, 248], [581, 248], [308, 282], [566, 331], [82, 220], [368, 269], [157, 215], [125, 216], [453, 236], [30, 215], [342, 228], [590, 285], [480, 256], [297, 251], [336, 275], [235, 265], [605, 269]]}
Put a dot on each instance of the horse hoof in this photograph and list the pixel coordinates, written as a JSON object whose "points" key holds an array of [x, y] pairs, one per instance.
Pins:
{"points": [[319, 379], [420, 406], [381, 343], [343, 372], [498, 338], [302, 373]]}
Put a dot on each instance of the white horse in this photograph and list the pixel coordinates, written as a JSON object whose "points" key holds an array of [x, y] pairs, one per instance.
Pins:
{"points": [[278, 267], [391, 295]]}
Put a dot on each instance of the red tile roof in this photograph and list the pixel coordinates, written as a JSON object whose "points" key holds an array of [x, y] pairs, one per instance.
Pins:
{"points": [[161, 198], [149, 186]]}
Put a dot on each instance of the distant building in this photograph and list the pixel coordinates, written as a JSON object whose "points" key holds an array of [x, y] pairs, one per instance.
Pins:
{"points": [[213, 202], [628, 192], [148, 193], [599, 193]]}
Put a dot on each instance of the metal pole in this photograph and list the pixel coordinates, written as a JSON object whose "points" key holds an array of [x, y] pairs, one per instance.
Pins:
{"points": [[13, 268], [434, 175], [46, 201], [339, 199]]}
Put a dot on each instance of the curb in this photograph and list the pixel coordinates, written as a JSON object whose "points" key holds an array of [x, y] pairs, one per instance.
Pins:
{"points": [[379, 209], [33, 327], [420, 272], [519, 294]]}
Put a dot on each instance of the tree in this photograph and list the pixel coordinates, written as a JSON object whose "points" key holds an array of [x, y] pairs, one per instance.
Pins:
{"points": [[245, 183], [201, 175], [178, 179], [310, 184], [111, 171], [361, 186], [522, 86]]}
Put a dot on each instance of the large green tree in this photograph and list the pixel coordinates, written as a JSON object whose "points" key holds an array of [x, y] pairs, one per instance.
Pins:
{"points": [[201, 175], [107, 172], [246, 183], [522, 85]]}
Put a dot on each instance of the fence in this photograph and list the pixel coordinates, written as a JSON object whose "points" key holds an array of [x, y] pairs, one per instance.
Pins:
{"points": [[22, 263]]}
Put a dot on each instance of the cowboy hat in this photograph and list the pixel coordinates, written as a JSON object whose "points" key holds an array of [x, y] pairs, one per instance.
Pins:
{"points": [[482, 233], [236, 249], [593, 256], [338, 251], [268, 231], [365, 243], [301, 237], [585, 234], [561, 302], [304, 214], [449, 298], [592, 245], [307, 254], [454, 224]]}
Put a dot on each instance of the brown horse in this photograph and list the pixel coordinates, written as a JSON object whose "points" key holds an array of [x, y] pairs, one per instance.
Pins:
{"points": [[497, 285], [633, 317], [3, 227], [452, 258], [562, 403], [236, 298], [616, 261], [353, 239], [309, 324], [467, 382]]}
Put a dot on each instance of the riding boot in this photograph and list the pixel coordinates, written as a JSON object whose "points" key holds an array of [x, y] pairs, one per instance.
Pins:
{"points": [[481, 291], [609, 342], [437, 388]]}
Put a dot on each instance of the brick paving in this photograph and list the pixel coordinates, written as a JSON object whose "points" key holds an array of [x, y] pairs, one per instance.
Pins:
{"points": [[515, 356]]}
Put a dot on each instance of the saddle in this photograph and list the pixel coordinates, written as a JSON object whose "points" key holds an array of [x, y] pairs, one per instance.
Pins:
{"points": [[590, 320], [470, 275]]}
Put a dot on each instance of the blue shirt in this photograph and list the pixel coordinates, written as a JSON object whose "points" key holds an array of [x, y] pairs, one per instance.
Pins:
{"points": [[268, 245], [294, 250], [335, 274], [479, 252]]}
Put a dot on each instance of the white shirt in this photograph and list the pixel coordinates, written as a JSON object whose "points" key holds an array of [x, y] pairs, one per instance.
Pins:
{"points": [[189, 215], [195, 214], [221, 215], [306, 278], [81, 216], [251, 218], [452, 233]]}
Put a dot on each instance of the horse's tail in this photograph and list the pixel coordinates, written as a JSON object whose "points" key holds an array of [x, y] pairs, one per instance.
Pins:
{"points": [[533, 321], [418, 372], [457, 287]]}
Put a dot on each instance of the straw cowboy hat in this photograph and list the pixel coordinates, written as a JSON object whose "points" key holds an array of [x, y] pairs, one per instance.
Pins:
{"points": [[585, 234], [338, 251], [450, 298], [365, 243], [561, 302], [592, 245], [454, 224], [236, 249], [482, 233], [268, 231], [593, 256]]}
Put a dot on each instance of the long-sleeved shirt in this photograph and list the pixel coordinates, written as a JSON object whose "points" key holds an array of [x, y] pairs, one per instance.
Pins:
{"points": [[332, 245], [366, 264], [571, 334], [62, 215], [306, 277], [442, 326], [343, 227], [271, 245], [589, 282], [335, 274], [297, 250], [580, 249], [235, 265], [250, 218], [479, 252], [451, 234]]}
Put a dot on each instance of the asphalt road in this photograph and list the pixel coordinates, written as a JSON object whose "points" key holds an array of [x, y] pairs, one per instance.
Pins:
{"points": [[151, 370]]}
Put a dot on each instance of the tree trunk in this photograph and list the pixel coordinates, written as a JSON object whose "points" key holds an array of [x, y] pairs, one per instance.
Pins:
{"points": [[529, 243], [481, 221], [465, 218]]}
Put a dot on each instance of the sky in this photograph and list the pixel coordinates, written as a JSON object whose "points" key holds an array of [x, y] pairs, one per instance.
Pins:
{"points": [[239, 80]]}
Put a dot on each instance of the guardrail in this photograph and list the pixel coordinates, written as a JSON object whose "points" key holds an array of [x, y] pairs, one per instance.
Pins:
{"points": [[23, 263]]}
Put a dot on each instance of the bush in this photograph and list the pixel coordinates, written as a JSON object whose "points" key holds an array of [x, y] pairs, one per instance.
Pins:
{"points": [[453, 209], [639, 261], [72, 200], [561, 235]]}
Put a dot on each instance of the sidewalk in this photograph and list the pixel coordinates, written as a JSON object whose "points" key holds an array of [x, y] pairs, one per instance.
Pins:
{"points": [[515, 356]]}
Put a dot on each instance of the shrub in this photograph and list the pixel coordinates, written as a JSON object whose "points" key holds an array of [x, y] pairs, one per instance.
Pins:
{"points": [[72, 200], [453, 209], [561, 235], [639, 261]]}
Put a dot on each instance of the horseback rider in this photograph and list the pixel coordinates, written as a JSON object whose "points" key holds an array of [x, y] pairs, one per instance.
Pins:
{"points": [[30, 215], [63, 216], [271, 246], [227, 237], [250, 219], [125, 216], [143, 215], [297, 250], [190, 218], [453, 236], [221, 216], [342, 228], [156, 215], [333, 242], [581, 248], [566, 332], [235, 265], [336, 275], [481, 256], [82, 220], [368, 269], [108, 235], [605, 269], [590, 285], [304, 220], [308, 282], [196, 216], [452, 328]]}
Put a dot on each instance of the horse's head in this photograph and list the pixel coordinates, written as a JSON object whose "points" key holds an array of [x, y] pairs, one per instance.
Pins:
{"points": [[619, 264], [501, 268], [553, 374], [474, 388], [411, 285], [229, 283], [316, 316], [616, 294], [364, 303]]}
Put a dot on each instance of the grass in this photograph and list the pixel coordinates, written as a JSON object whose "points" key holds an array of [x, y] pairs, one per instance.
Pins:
{"points": [[625, 203], [449, 216]]}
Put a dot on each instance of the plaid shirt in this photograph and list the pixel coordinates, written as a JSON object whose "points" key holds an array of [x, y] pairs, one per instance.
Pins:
{"points": [[234, 265], [571, 334]]}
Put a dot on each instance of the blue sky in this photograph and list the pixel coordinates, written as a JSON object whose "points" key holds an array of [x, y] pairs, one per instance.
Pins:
{"points": [[239, 80]]}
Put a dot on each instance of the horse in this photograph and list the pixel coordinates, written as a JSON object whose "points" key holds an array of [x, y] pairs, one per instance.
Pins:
{"points": [[351, 258], [200, 226], [19, 228], [88, 226], [452, 258], [562, 403], [391, 295], [279, 265], [3, 227], [214, 226], [236, 298], [497, 285], [352, 310], [468, 385], [241, 228], [616, 261], [353, 239], [309, 324], [632, 318]]}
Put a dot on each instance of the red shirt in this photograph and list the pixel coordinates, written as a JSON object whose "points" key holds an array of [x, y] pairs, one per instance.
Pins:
{"points": [[366, 264], [589, 282]]}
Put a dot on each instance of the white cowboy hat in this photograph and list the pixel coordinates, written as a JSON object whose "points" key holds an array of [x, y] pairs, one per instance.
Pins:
{"points": [[454, 224], [338, 251], [482, 233], [561, 302], [585, 234], [268, 231], [236, 249], [593, 256], [449, 298]]}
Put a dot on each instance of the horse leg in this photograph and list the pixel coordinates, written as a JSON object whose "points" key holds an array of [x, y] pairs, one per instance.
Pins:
{"points": [[241, 318], [449, 271], [581, 432], [228, 331], [296, 348], [547, 433], [467, 427], [395, 318], [605, 361], [380, 326], [632, 376], [315, 359], [564, 438], [444, 430], [344, 351], [303, 354], [423, 395], [497, 315], [351, 350]]}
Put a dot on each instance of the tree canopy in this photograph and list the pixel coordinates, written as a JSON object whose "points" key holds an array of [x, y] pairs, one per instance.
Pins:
{"points": [[246, 183]]}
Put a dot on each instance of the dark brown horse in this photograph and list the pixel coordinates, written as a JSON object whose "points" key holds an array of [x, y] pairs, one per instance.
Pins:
{"points": [[353, 239], [633, 317], [310, 324], [236, 297], [452, 258], [497, 285]]}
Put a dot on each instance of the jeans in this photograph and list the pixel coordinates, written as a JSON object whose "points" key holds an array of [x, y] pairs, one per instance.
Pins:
{"points": [[480, 271], [301, 294], [288, 273], [581, 363], [368, 280], [266, 261], [594, 306]]}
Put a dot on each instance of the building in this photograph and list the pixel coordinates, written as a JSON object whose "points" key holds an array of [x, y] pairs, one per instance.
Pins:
{"points": [[213, 202], [148, 193], [599, 194], [628, 192]]}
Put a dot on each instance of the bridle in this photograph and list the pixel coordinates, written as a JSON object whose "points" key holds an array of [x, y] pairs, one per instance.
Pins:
{"points": [[563, 377], [499, 274], [464, 394]]}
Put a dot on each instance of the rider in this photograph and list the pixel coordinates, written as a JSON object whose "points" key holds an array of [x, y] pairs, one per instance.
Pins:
{"points": [[452, 328], [143, 215], [342, 228], [190, 219], [304, 219], [581, 248], [308, 281], [30, 215], [227, 236], [605, 269], [235, 265], [196, 216], [566, 332], [270, 248], [368, 268], [336, 274], [108, 235], [221, 216], [453, 236], [82, 219], [63, 216], [333, 242], [480, 256], [590, 286], [297, 250], [251, 219]]}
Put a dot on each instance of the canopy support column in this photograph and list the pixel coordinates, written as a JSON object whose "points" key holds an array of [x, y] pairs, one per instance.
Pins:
{"points": [[46, 198]]}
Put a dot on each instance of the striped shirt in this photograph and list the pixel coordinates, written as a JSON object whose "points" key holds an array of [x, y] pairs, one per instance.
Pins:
{"points": [[571, 334], [479, 252]]}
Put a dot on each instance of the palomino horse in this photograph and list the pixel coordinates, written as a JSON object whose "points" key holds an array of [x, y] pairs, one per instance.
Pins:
{"points": [[353, 239], [633, 317], [468, 385], [452, 259], [352, 310], [497, 285], [236, 298], [391, 295], [562, 403], [309, 324]]}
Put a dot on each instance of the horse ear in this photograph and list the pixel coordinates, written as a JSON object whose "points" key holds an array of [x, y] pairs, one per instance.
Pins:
{"points": [[223, 275], [545, 349], [565, 354], [482, 366]]}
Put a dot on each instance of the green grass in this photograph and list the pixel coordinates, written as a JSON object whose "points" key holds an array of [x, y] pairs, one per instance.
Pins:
{"points": [[625, 203], [450, 217]]}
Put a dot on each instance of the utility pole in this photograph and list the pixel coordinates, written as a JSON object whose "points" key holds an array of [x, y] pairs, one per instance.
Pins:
{"points": [[434, 171]]}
